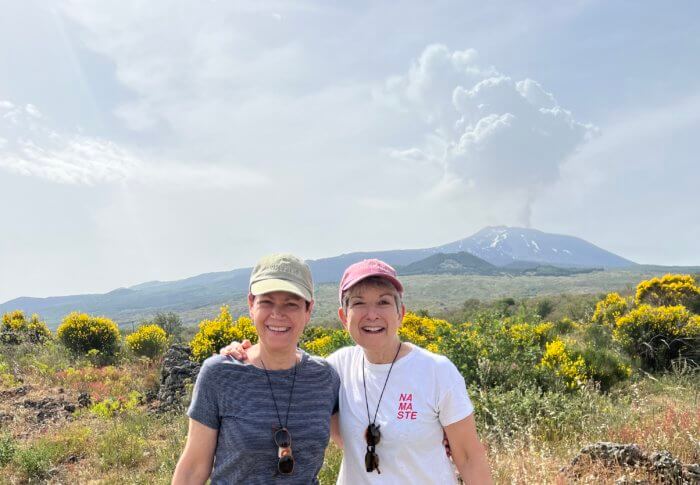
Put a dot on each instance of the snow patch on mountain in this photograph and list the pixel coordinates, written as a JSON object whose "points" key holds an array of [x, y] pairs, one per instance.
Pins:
{"points": [[503, 245]]}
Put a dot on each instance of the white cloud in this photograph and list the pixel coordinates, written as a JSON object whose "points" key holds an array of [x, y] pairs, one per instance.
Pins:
{"points": [[33, 111], [36, 149], [497, 136]]}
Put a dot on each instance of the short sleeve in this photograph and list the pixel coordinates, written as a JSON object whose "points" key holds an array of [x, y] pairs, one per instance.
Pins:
{"points": [[453, 403], [204, 406], [336, 390]]}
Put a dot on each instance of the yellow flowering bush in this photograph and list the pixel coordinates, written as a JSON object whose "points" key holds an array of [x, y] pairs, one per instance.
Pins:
{"points": [[658, 334], [327, 343], [528, 333], [423, 331], [148, 341], [83, 333], [16, 328], [565, 363], [609, 309], [669, 290], [219, 332]]}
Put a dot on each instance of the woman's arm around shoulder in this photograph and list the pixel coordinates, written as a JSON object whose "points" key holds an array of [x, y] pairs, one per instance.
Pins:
{"points": [[195, 463], [467, 452]]}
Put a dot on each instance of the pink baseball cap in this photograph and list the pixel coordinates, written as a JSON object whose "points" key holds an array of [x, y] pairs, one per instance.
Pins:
{"points": [[364, 269]]}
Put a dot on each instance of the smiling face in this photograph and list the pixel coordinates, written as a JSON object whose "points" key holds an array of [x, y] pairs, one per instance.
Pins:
{"points": [[371, 315], [279, 318]]}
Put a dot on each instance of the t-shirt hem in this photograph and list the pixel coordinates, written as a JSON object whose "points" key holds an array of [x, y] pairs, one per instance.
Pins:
{"points": [[209, 424], [456, 418]]}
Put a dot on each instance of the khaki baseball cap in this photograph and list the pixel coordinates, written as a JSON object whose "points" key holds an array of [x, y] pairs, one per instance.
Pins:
{"points": [[282, 272]]}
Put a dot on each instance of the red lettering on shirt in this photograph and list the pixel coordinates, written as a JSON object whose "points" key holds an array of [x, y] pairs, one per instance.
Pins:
{"points": [[406, 408]]}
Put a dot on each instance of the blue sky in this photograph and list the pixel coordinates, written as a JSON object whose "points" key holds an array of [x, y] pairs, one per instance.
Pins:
{"points": [[158, 140]]}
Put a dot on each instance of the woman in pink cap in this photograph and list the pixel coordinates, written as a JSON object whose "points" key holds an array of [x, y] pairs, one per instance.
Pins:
{"points": [[397, 400]]}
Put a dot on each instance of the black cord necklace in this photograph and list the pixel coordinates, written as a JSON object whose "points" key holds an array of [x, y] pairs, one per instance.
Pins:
{"points": [[274, 401], [372, 423]]}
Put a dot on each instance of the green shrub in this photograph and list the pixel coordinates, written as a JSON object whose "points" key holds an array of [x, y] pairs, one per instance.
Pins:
{"points": [[219, 332], [16, 329], [111, 406], [83, 333], [35, 461], [7, 449], [544, 308], [170, 322], [465, 347], [148, 341], [606, 367], [121, 447], [7, 377], [500, 353], [564, 326], [527, 413]]}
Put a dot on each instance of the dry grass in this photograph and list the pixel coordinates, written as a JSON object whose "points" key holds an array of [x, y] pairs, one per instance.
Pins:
{"points": [[663, 415]]}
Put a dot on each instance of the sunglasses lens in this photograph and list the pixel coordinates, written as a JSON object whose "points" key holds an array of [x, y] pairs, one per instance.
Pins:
{"points": [[286, 465], [371, 461], [372, 435], [282, 438]]}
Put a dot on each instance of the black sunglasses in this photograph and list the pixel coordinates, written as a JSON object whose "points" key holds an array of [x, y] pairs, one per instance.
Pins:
{"points": [[283, 440], [372, 436]]}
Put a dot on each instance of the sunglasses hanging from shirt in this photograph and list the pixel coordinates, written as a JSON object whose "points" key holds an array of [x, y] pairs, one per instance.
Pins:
{"points": [[372, 434], [281, 436]]}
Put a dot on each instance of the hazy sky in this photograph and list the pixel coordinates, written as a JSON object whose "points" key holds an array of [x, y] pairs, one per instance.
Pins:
{"points": [[163, 139]]}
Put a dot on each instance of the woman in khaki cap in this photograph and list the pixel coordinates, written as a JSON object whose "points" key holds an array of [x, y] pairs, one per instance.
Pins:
{"points": [[266, 419]]}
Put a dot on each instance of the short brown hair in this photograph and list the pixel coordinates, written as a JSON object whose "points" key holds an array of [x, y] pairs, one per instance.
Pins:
{"points": [[372, 282]]}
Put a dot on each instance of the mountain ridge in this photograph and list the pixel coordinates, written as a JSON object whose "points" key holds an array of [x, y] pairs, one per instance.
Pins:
{"points": [[496, 245]]}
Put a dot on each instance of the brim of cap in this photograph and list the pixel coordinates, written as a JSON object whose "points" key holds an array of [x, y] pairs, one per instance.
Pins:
{"points": [[268, 286], [397, 284]]}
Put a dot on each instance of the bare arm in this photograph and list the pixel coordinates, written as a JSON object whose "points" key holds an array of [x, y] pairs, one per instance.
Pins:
{"points": [[468, 453], [335, 431], [195, 463]]}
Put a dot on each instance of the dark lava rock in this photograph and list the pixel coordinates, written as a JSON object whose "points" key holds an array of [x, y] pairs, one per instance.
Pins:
{"points": [[177, 371], [49, 408], [17, 391], [84, 400], [611, 453], [666, 469]]}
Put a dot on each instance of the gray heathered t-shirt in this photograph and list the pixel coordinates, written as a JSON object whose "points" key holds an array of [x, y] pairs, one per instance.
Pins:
{"points": [[234, 398]]}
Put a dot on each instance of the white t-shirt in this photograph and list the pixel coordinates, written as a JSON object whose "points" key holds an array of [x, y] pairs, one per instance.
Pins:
{"points": [[425, 392]]}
